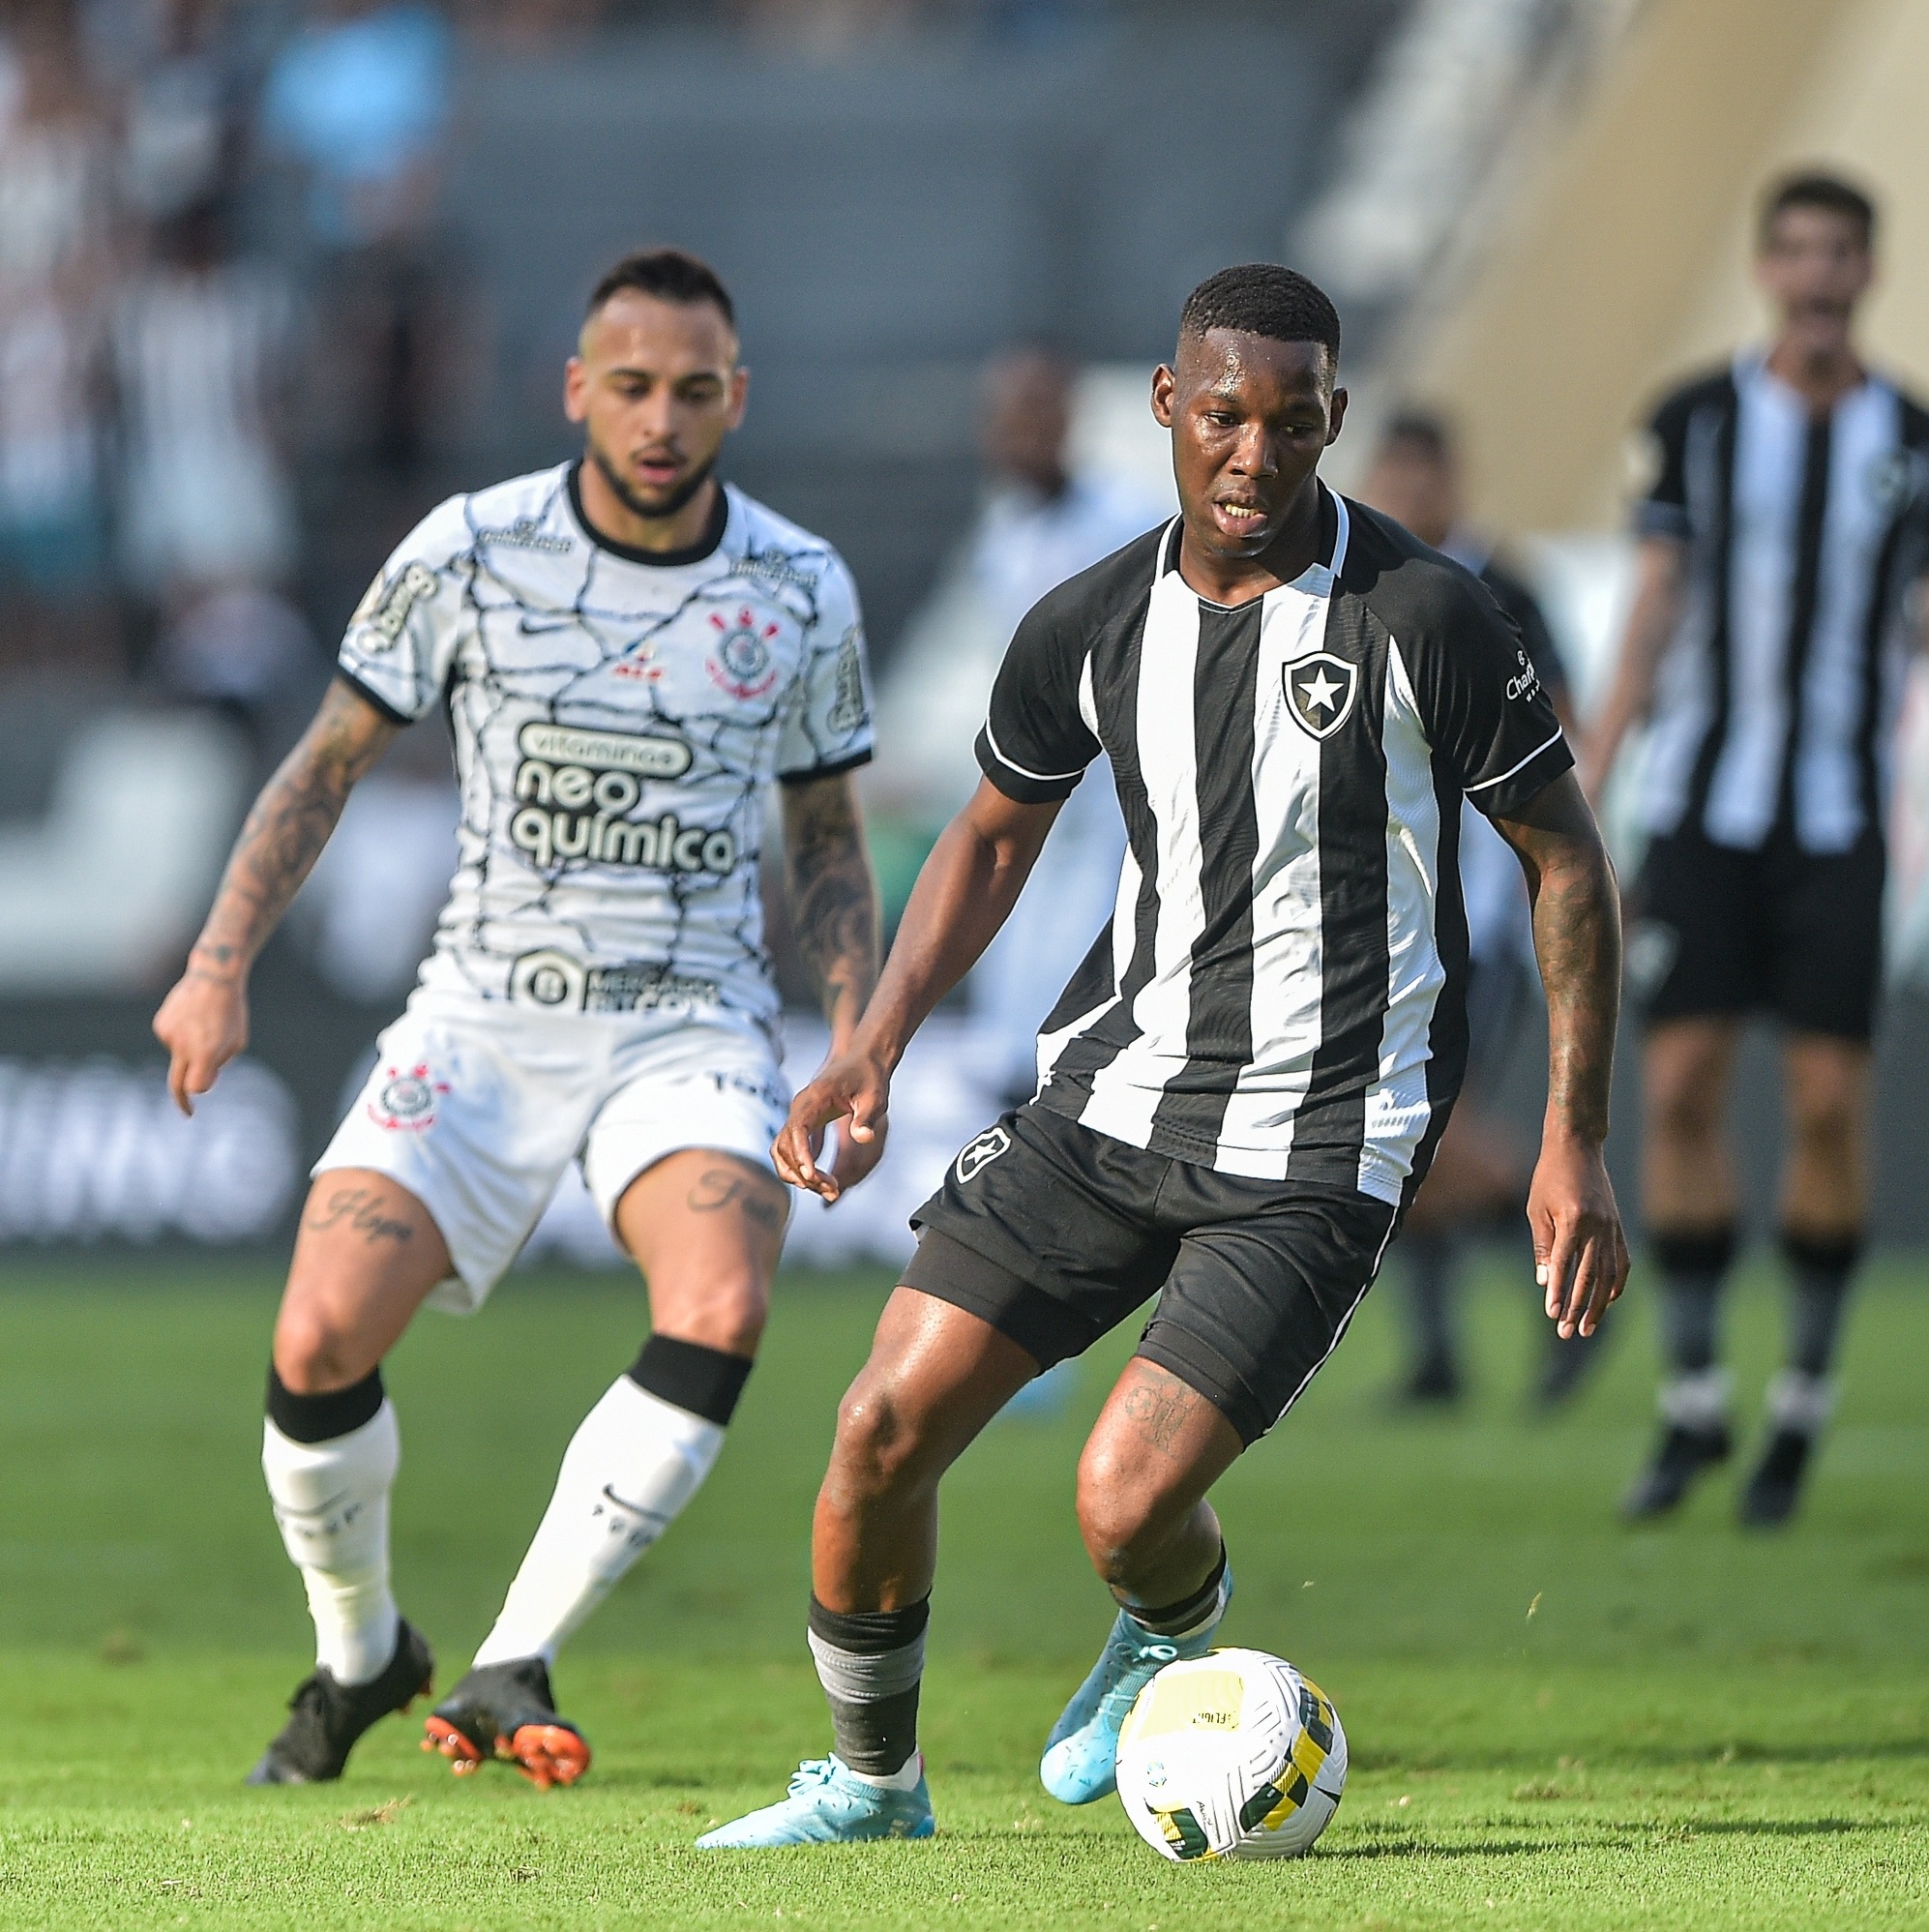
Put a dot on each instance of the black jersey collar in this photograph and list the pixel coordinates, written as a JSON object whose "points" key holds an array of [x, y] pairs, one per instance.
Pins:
{"points": [[705, 545]]}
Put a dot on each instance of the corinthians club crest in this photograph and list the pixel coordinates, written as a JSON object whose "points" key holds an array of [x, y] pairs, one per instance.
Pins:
{"points": [[1319, 693]]}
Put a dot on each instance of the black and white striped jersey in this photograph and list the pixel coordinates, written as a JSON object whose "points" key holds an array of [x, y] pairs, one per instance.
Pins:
{"points": [[1280, 992], [1776, 703]]}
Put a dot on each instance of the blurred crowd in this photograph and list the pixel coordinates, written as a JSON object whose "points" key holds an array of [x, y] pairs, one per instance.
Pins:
{"points": [[171, 349], [221, 281]]}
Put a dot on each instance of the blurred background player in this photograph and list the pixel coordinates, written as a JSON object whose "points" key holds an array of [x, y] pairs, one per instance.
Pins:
{"points": [[1043, 521], [629, 650], [1779, 541], [1480, 1177]]}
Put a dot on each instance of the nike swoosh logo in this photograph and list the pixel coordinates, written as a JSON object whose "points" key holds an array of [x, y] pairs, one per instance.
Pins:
{"points": [[635, 1508], [319, 1509]]}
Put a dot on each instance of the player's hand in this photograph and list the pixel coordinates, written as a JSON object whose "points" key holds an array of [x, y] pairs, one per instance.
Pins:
{"points": [[1580, 1253], [203, 1024], [853, 1090]]}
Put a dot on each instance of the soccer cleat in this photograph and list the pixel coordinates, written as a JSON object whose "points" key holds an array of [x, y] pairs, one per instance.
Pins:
{"points": [[1775, 1487], [506, 1712], [1083, 1748], [828, 1805], [327, 1717], [1682, 1455]]}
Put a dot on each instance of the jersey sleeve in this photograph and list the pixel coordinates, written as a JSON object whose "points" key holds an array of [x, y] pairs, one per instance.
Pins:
{"points": [[1662, 510], [402, 641], [1484, 706], [828, 727], [1036, 744]]}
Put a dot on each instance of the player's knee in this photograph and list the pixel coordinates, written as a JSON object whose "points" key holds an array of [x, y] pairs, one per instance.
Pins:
{"points": [[312, 1357], [1685, 1105], [879, 1447], [1118, 1511], [1825, 1118], [728, 1316]]}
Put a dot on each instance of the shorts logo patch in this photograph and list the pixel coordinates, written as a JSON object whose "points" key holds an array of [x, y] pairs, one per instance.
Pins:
{"points": [[406, 1102], [1319, 693], [981, 1153]]}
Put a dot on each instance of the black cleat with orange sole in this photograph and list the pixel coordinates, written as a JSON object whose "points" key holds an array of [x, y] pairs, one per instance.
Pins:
{"points": [[326, 1717], [505, 1712]]}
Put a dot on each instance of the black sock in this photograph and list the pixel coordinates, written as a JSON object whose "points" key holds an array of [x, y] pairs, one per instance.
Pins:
{"points": [[320, 1418], [687, 1375], [1190, 1612], [871, 1664], [1694, 1265], [1430, 1281], [1822, 1266]]}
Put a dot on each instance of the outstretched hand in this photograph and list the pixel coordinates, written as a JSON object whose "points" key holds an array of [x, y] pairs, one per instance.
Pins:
{"points": [[852, 1091], [203, 1024], [1581, 1255]]}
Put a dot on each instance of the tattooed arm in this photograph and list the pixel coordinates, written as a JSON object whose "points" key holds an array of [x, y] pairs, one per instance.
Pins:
{"points": [[965, 892], [833, 896], [203, 1023], [1580, 1253], [834, 914]]}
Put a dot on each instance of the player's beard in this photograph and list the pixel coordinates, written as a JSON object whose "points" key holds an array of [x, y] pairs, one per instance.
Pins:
{"points": [[665, 507]]}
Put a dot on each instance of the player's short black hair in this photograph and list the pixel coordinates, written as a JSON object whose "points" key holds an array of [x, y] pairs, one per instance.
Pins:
{"points": [[671, 274], [1424, 430], [1812, 188], [1262, 298]]}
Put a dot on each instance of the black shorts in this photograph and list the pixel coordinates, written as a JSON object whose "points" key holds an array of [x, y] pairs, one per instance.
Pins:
{"points": [[1724, 932], [1055, 1233]]}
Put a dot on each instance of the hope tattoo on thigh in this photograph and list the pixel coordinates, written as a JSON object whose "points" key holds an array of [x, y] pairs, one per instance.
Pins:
{"points": [[357, 1207], [719, 1188]]}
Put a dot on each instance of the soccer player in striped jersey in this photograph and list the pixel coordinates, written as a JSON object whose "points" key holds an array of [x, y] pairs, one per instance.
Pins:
{"points": [[1242, 1088], [1781, 540]]}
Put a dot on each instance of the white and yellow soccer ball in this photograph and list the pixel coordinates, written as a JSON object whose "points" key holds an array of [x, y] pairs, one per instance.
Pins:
{"points": [[1232, 1755]]}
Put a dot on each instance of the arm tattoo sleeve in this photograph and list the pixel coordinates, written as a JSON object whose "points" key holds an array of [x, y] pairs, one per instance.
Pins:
{"points": [[1577, 941], [832, 893], [285, 831]]}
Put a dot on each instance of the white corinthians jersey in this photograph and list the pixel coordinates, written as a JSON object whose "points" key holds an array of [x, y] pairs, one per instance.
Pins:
{"points": [[1281, 992], [617, 717]]}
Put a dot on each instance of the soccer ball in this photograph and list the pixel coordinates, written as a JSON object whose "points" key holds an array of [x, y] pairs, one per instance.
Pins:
{"points": [[1233, 1755]]}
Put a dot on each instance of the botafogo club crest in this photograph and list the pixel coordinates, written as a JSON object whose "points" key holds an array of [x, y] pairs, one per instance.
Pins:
{"points": [[1319, 693]]}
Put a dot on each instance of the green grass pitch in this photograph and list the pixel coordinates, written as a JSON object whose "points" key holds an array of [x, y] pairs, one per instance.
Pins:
{"points": [[1554, 1722]]}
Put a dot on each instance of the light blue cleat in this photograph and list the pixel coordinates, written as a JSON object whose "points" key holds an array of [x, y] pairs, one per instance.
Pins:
{"points": [[1083, 1749], [828, 1805]]}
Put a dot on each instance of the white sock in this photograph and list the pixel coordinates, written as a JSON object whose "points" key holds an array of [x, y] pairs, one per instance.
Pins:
{"points": [[332, 1502], [630, 1468], [1696, 1401], [1802, 1402], [904, 1778]]}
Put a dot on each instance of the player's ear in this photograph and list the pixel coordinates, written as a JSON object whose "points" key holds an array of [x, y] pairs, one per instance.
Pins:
{"points": [[1336, 415], [1165, 385], [576, 389], [739, 394]]}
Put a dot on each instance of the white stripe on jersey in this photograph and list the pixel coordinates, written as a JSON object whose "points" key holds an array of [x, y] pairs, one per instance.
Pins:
{"points": [[1397, 1106], [1126, 1094]]}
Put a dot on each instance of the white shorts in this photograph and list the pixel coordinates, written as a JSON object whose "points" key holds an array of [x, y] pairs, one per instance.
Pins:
{"points": [[477, 1107]]}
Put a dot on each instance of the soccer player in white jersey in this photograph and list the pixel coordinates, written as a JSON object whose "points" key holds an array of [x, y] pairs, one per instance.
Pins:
{"points": [[1782, 541], [1243, 1085], [630, 651]]}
